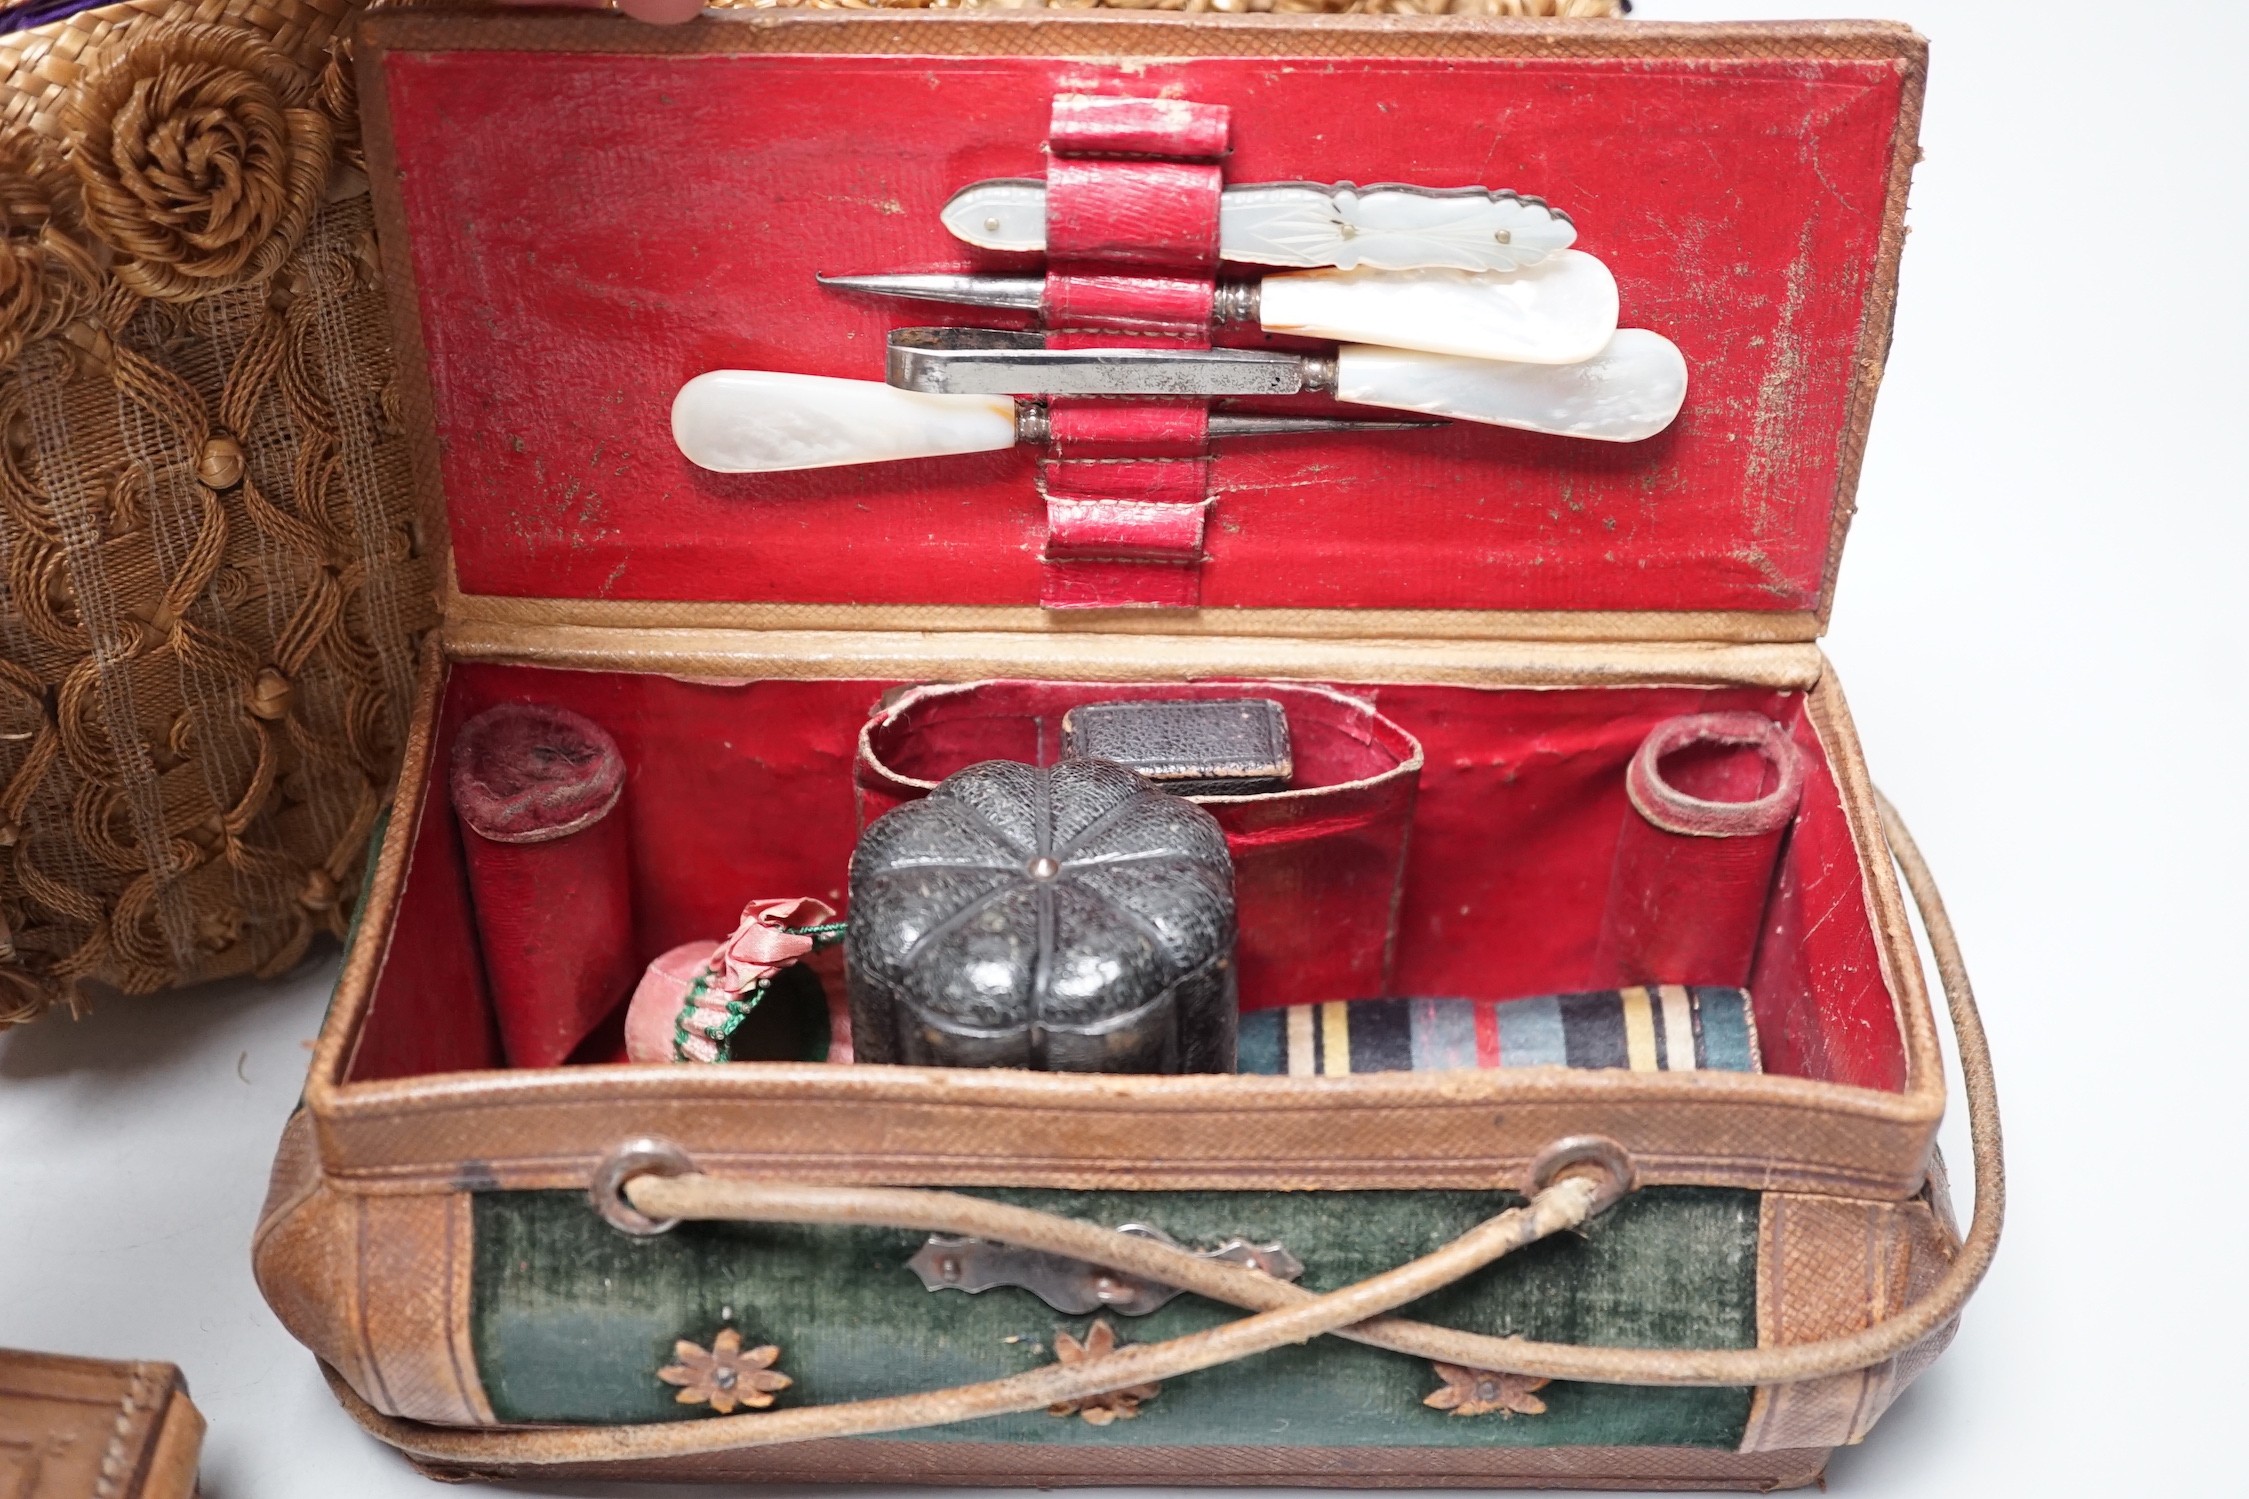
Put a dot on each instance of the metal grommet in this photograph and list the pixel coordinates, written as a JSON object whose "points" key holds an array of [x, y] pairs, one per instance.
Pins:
{"points": [[643, 1157], [1572, 1154]]}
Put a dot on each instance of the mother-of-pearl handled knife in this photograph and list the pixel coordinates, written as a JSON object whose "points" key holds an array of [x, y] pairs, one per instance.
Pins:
{"points": [[1559, 311], [762, 421], [1389, 225]]}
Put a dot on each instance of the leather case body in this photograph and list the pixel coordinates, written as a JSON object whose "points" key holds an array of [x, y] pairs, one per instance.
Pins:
{"points": [[579, 214]]}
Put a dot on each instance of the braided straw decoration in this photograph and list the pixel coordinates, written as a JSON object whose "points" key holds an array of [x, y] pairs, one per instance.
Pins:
{"points": [[200, 158], [212, 576]]}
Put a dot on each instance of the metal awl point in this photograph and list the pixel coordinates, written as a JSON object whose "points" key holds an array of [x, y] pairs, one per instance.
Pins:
{"points": [[1233, 302], [1032, 424]]}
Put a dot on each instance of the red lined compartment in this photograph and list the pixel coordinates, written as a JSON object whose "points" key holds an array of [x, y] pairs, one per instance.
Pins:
{"points": [[1317, 867], [561, 312], [747, 790]]}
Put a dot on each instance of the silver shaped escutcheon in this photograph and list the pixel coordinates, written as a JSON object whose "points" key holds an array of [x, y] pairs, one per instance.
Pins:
{"points": [[946, 1263]]}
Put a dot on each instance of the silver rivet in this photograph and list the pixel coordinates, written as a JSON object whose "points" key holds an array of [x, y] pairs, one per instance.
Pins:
{"points": [[1044, 867]]}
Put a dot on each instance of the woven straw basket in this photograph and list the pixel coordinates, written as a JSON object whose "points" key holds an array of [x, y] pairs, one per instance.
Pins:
{"points": [[213, 572]]}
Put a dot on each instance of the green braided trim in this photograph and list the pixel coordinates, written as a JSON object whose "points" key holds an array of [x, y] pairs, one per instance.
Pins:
{"points": [[738, 1009]]}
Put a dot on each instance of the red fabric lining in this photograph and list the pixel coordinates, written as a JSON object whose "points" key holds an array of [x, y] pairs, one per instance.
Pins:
{"points": [[560, 324], [747, 791], [1817, 944]]}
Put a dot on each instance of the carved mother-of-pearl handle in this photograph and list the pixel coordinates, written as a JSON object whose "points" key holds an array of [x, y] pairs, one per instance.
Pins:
{"points": [[1388, 226], [1631, 390]]}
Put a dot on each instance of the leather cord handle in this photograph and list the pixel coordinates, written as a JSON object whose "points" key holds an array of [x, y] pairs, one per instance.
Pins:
{"points": [[1283, 1313], [1563, 1205]]}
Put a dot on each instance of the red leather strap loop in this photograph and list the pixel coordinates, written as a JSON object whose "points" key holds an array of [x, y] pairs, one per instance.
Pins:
{"points": [[1136, 304], [1133, 213], [1124, 530], [1102, 584], [1084, 428], [1100, 125], [1143, 510], [1132, 248], [1177, 481]]}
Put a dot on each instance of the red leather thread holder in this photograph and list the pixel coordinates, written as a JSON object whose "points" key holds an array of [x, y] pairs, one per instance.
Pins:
{"points": [[1712, 797], [1132, 247], [538, 791]]}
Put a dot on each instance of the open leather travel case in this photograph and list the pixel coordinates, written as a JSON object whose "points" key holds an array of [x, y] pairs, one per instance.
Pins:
{"points": [[1470, 629]]}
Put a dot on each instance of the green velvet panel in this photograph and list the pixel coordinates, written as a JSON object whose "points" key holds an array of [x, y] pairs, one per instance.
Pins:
{"points": [[573, 1319]]}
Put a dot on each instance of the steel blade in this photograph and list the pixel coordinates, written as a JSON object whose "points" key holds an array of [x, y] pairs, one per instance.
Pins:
{"points": [[1024, 293], [983, 361]]}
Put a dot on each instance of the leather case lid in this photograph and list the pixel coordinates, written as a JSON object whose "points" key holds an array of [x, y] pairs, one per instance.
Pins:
{"points": [[595, 211]]}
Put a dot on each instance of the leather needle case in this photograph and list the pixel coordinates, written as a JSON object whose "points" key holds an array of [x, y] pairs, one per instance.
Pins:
{"points": [[1213, 747], [1119, 477]]}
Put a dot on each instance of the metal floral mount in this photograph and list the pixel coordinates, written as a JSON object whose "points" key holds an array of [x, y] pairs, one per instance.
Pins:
{"points": [[949, 1262], [647, 1187]]}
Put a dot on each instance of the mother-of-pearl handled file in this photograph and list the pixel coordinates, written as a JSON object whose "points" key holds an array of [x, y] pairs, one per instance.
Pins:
{"points": [[1561, 311], [1631, 390], [760, 421]]}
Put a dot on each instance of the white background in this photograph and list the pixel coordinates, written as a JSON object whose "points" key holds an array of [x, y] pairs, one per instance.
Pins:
{"points": [[2041, 627]]}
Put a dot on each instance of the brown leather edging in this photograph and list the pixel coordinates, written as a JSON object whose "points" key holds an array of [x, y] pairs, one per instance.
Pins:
{"points": [[466, 610], [1000, 1464], [363, 959], [1830, 717], [402, 298], [1133, 33], [915, 1126], [966, 655], [1879, 318]]}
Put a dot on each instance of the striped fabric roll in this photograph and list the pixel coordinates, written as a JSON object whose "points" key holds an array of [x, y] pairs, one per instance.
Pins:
{"points": [[1666, 1028]]}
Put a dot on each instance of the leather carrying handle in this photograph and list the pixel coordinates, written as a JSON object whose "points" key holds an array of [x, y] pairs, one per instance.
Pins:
{"points": [[1282, 1313]]}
